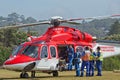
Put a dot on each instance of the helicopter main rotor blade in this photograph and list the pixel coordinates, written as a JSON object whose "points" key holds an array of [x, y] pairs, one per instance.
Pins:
{"points": [[72, 22], [26, 25], [98, 17], [107, 41], [69, 22]]}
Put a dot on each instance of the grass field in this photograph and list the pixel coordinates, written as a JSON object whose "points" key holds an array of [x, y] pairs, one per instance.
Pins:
{"points": [[67, 75]]}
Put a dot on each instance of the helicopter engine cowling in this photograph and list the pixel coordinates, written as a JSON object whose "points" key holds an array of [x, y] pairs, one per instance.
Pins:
{"points": [[87, 37], [61, 37], [64, 33]]}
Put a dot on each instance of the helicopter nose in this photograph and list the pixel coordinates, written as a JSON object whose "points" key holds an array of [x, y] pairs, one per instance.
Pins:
{"points": [[7, 64], [17, 62]]}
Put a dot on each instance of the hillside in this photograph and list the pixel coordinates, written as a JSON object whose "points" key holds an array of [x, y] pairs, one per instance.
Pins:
{"points": [[98, 28]]}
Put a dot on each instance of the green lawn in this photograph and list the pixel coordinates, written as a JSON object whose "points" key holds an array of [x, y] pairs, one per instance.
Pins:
{"points": [[67, 75]]}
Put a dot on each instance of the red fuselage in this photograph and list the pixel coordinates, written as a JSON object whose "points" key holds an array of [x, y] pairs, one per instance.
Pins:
{"points": [[54, 36]]}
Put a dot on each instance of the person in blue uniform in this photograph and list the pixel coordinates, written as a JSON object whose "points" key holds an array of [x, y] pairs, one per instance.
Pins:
{"points": [[92, 61], [85, 61], [99, 60], [77, 57], [70, 51]]}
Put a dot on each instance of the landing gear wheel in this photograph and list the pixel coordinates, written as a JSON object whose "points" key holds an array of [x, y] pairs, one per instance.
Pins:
{"points": [[55, 73], [33, 74], [24, 75]]}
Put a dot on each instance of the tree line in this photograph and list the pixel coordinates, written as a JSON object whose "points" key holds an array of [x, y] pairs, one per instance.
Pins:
{"points": [[114, 34], [9, 38], [97, 27]]}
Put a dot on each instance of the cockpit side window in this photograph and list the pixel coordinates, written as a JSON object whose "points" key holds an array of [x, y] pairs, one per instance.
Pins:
{"points": [[44, 52], [16, 50], [53, 51], [31, 51]]}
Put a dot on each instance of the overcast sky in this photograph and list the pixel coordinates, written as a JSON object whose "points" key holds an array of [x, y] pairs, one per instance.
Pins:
{"points": [[44, 9]]}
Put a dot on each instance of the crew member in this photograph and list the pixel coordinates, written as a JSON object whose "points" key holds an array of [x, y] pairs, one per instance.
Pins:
{"points": [[92, 61], [77, 61], [99, 59], [70, 57], [85, 61]]}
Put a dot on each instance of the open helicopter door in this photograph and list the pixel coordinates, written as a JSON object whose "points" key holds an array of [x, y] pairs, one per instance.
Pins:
{"points": [[63, 56], [48, 58], [62, 52]]}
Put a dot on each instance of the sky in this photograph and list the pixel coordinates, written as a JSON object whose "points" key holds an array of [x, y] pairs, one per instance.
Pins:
{"points": [[44, 9]]}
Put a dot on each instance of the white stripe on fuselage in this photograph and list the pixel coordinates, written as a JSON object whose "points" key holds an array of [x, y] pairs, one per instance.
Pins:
{"points": [[19, 66], [43, 64]]}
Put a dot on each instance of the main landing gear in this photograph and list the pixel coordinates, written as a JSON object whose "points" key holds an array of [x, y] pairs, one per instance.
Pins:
{"points": [[55, 73], [33, 74], [25, 74]]}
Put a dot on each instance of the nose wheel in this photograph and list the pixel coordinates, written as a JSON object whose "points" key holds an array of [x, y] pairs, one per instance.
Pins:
{"points": [[24, 75]]}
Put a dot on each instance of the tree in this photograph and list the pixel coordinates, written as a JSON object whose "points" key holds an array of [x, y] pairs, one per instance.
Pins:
{"points": [[9, 38], [111, 63], [4, 53], [115, 28], [115, 37]]}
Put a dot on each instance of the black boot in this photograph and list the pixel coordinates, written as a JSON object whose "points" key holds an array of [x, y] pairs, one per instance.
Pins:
{"points": [[81, 74], [92, 74], [87, 74]]}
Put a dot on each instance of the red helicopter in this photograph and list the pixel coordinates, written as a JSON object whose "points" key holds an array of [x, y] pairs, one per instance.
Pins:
{"points": [[43, 53]]}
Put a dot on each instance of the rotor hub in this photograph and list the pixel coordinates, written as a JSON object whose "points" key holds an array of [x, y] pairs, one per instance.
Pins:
{"points": [[56, 20]]}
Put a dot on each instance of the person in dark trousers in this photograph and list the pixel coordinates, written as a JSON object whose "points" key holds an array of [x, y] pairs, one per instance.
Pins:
{"points": [[85, 61], [70, 51], [92, 63], [99, 60], [77, 57]]}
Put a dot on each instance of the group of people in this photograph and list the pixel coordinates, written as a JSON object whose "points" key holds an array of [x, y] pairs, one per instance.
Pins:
{"points": [[88, 57]]}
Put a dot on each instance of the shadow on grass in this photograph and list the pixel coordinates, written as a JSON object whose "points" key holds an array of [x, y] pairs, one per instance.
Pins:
{"points": [[37, 78]]}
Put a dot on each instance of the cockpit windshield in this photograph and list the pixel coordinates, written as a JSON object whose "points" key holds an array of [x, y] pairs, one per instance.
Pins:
{"points": [[31, 51], [16, 50]]}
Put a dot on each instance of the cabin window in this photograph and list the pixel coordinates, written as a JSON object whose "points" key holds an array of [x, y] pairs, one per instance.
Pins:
{"points": [[44, 53], [53, 51], [79, 48], [31, 51]]}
